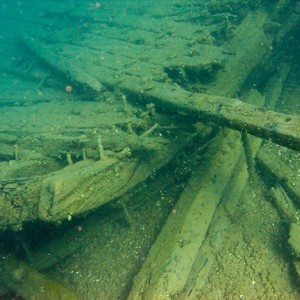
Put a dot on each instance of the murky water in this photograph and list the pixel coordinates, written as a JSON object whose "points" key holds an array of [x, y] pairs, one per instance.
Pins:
{"points": [[149, 149]]}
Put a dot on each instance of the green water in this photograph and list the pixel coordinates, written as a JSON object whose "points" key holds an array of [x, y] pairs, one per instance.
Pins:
{"points": [[149, 149]]}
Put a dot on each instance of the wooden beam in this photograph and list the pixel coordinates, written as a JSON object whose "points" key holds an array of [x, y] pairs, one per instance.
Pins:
{"points": [[280, 128]]}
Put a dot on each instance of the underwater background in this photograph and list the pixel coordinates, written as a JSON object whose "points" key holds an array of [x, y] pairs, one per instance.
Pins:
{"points": [[149, 149]]}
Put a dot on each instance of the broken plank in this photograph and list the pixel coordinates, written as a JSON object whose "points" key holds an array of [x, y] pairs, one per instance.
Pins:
{"points": [[280, 128], [283, 165], [233, 113], [23, 279], [166, 270], [150, 86]]}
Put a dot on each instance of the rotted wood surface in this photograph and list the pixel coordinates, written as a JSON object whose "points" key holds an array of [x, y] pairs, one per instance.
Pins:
{"points": [[281, 165], [38, 141], [193, 237], [169, 97], [23, 279], [181, 260], [141, 72], [79, 187], [282, 129]]}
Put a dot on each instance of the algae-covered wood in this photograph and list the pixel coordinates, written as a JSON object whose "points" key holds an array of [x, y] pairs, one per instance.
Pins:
{"points": [[147, 75], [107, 114], [283, 165], [54, 170]]}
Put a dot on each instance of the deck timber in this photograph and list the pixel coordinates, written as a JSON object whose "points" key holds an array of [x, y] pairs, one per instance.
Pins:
{"points": [[153, 59], [118, 50]]}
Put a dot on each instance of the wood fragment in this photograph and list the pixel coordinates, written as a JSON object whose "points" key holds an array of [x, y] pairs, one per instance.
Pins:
{"points": [[284, 204], [283, 166], [217, 206], [249, 158], [166, 270], [294, 240], [225, 111], [23, 279], [280, 128]]}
